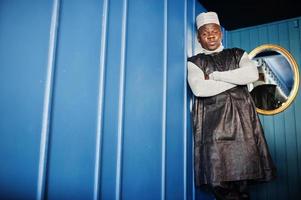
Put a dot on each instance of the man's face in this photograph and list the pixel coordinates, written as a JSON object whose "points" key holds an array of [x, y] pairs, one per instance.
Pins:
{"points": [[210, 36]]}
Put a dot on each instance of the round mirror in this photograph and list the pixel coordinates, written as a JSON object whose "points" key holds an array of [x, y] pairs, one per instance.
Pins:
{"points": [[278, 81]]}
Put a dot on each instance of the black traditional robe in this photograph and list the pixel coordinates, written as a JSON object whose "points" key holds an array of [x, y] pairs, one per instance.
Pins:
{"points": [[229, 144]]}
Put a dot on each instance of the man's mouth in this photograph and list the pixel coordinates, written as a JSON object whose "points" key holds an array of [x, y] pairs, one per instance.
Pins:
{"points": [[212, 43]]}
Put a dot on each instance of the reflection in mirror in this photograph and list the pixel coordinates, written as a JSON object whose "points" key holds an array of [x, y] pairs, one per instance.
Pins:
{"points": [[278, 79], [275, 80]]}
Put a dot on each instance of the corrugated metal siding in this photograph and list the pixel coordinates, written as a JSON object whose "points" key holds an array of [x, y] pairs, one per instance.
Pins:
{"points": [[24, 42], [283, 131], [94, 100]]}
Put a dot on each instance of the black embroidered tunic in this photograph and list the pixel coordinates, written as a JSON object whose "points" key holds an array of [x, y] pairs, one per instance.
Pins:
{"points": [[229, 144]]}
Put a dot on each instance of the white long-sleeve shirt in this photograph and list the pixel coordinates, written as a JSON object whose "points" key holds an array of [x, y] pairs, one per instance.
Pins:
{"points": [[221, 81]]}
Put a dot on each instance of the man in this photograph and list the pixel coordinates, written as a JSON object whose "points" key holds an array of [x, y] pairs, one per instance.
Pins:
{"points": [[230, 148]]}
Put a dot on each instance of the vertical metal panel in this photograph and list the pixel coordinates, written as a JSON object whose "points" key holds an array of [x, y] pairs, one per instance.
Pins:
{"points": [[283, 40], [176, 136], [142, 163], [190, 51], [185, 110], [121, 101], [24, 39], [47, 102], [188, 45], [245, 39], [100, 108], [292, 138], [297, 51], [109, 168], [235, 36], [282, 130], [164, 99], [72, 143]]}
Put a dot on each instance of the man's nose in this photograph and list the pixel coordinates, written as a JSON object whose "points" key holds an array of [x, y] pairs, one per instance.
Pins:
{"points": [[210, 36]]}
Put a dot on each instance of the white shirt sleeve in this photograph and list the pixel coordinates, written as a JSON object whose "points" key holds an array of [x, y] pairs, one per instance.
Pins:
{"points": [[246, 73], [204, 88]]}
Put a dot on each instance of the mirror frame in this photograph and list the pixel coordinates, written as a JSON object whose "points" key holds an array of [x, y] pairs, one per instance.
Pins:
{"points": [[295, 70]]}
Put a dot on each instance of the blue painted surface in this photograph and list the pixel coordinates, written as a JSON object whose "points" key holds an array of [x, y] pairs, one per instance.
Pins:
{"points": [[111, 95], [283, 132], [73, 123], [143, 118], [176, 123], [24, 37], [119, 120]]}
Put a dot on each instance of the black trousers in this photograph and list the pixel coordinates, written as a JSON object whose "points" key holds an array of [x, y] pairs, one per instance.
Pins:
{"points": [[232, 190]]}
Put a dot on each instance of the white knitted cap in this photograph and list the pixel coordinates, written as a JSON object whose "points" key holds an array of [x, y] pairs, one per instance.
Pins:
{"points": [[206, 18]]}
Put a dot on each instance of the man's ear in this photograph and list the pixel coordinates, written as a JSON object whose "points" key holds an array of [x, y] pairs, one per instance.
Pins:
{"points": [[198, 37]]}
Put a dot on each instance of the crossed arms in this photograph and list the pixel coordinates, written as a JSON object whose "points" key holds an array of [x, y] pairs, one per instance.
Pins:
{"points": [[219, 82]]}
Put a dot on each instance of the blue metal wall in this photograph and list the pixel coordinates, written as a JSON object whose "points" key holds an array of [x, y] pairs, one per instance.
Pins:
{"points": [[95, 105], [24, 42], [94, 101], [283, 131]]}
